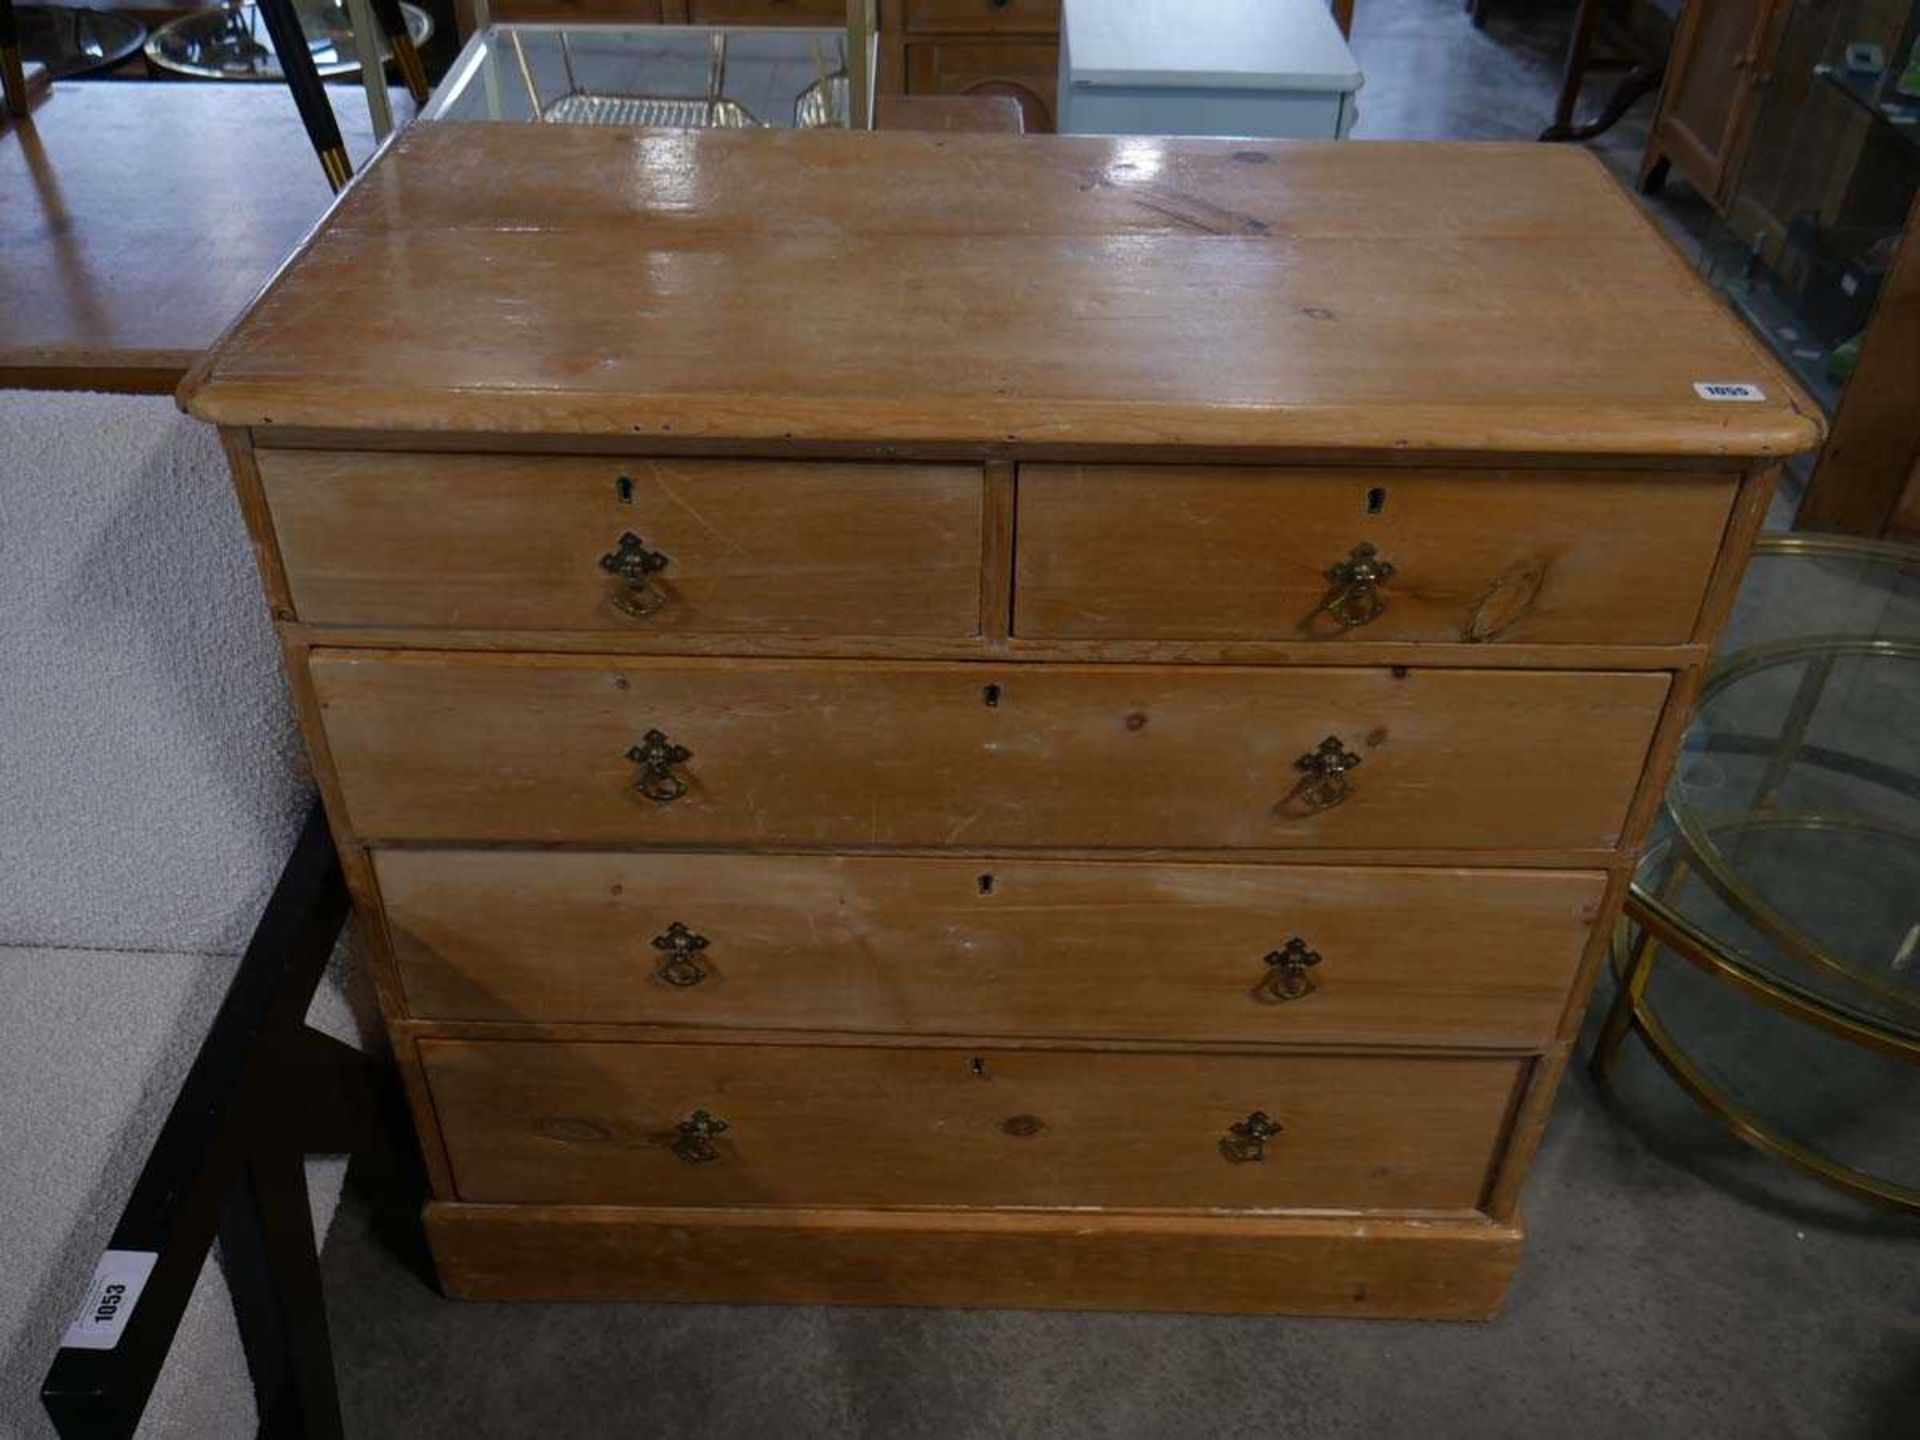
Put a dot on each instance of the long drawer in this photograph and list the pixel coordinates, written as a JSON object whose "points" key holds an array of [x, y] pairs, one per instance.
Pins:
{"points": [[1217, 552], [931, 946], [657, 751], [529, 1122], [628, 545]]}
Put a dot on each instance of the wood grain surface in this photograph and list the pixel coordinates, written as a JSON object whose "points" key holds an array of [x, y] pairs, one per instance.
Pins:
{"points": [[534, 748], [997, 290], [534, 1123], [999, 947], [515, 542]]}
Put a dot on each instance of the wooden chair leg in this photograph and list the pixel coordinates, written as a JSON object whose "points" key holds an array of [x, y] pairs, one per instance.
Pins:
{"points": [[13, 74], [309, 95], [1579, 48]]}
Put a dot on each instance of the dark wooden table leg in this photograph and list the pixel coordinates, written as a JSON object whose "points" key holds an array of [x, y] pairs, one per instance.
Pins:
{"points": [[394, 21], [13, 75], [309, 95]]}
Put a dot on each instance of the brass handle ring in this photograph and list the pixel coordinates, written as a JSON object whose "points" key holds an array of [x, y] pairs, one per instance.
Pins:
{"points": [[1245, 1142], [1353, 598], [679, 965], [1286, 978], [1323, 771], [656, 756], [693, 1137], [633, 563]]}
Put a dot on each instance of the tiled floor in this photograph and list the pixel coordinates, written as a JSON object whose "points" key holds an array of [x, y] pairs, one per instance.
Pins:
{"points": [[1677, 1284]]}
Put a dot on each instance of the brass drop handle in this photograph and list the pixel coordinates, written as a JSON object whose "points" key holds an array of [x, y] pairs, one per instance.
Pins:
{"points": [[656, 756], [1323, 771], [1286, 978], [693, 1137], [680, 948], [1245, 1142], [633, 563], [1353, 596]]}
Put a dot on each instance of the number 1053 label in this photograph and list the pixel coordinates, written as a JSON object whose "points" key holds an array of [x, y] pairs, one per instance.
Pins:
{"points": [[111, 1295]]}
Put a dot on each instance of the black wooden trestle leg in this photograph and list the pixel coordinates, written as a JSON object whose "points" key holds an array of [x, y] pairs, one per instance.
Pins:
{"points": [[273, 1271], [264, 1092]]}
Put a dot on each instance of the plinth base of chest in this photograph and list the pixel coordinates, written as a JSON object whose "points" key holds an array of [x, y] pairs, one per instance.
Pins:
{"points": [[1452, 1267]]}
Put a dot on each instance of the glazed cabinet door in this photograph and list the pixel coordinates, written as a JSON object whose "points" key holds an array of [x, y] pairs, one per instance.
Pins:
{"points": [[1721, 52]]}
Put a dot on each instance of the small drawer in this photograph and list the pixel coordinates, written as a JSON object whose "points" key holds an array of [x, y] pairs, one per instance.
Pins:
{"points": [[666, 752], [768, 12], [1196, 553], [1040, 17], [532, 1122], [892, 945], [1026, 69], [628, 546], [576, 12]]}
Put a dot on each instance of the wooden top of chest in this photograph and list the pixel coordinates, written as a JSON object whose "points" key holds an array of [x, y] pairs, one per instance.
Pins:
{"points": [[1005, 293]]}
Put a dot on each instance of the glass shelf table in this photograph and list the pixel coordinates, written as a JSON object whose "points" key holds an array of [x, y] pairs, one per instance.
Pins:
{"points": [[1786, 863], [682, 76]]}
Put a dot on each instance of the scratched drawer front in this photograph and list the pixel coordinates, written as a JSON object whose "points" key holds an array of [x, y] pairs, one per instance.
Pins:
{"points": [[551, 748], [596, 1124], [984, 16], [516, 543], [1191, 552], [1002, 947]]}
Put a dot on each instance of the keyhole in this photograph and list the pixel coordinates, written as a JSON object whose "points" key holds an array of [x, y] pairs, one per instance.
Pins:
{"points": [[1376, 500], [978, 1067], [991, 694], [986, 884], [623, 487]]}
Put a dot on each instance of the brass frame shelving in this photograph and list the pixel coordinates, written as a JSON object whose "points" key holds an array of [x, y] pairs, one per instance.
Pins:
{"points": [[1652, 923]]}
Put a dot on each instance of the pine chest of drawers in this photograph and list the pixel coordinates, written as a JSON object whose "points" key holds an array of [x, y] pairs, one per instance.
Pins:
{"points": [[989, 720]]}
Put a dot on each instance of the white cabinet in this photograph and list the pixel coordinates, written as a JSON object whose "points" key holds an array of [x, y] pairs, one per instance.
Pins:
{"points": [[1255, 68]]}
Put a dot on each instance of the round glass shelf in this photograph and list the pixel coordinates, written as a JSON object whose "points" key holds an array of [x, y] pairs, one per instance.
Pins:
{"points": [[1786, 861], [71, 40], [229, 42], [1791, 836]]}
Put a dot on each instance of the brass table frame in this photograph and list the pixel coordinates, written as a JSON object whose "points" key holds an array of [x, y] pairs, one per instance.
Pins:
{"points": [[1695, 851]]}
